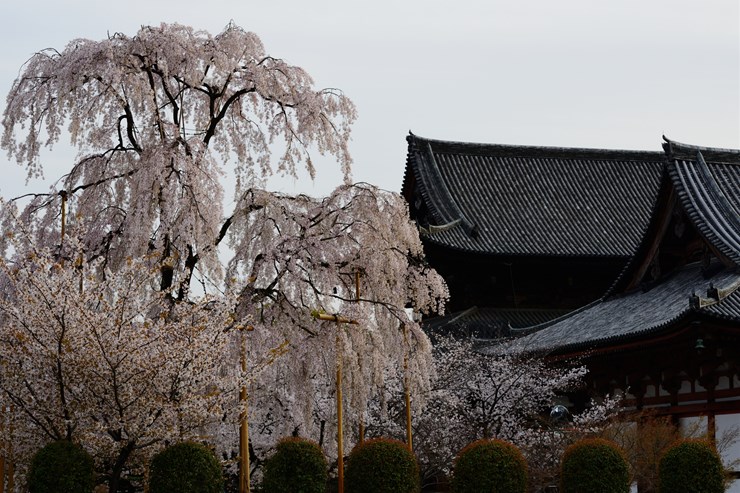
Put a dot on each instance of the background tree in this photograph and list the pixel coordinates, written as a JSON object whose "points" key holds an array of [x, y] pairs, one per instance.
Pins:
{"points": [[475, 395], [646, 436]]}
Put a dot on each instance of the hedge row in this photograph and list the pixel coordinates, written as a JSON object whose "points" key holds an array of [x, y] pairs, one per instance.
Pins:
{"points": [[387, 466]]}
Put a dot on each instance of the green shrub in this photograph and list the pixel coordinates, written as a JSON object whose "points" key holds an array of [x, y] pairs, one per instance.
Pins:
{"points": [[592, 465], [381, 466], [490, 465], [691, 466], [61, 467], [297, 466], [186, 468]]}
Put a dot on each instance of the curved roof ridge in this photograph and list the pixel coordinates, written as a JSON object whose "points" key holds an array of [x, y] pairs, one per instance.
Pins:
{"points": [[676, 145], [541, 151], [434, 191], [446, 204], [707, 206], [524, 331], [680, 150]]}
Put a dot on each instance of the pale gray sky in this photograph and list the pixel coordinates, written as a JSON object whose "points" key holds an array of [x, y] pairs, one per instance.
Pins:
{"points": [[581, 73]]}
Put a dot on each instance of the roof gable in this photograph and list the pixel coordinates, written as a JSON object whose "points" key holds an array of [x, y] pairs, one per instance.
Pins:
{"points": [[710, 195], [703, 187]]}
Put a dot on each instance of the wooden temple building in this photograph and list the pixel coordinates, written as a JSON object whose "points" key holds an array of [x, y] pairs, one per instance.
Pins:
{"points": [[627, 261]]}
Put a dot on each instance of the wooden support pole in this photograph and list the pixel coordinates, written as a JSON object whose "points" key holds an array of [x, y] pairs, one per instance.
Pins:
{"points": [[63, 194], [244, 480], [3, 451], [409, 435], [340, 433], [11, 466], [357, 286], [361, 431], [407, 391]]}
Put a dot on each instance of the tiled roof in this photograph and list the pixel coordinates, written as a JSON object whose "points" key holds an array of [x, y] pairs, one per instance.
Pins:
{"points": [[491, 323], [729, 309], [517, 200], [640, 313], [710, 195]]}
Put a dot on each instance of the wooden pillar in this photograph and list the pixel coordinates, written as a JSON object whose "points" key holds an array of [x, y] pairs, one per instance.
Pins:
{"points": [[709, 382]]}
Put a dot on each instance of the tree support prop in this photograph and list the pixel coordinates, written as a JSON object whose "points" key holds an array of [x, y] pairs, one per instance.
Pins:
{"points": [[407, 391], [340, 431], [244, 480]]}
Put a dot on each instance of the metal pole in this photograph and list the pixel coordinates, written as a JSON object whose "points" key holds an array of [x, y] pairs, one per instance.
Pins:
{"points": [[340, 433], [244, 486]]}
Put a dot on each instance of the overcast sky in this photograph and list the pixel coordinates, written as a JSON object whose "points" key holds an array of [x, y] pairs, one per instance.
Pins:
{"points": [[572, 73]]}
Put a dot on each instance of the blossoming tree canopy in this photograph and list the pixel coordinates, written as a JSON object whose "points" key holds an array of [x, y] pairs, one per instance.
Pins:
{"points": [[297, 255], [156, 117], [93, 359]]}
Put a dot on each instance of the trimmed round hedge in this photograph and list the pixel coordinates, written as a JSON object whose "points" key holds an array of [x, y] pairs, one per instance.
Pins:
{"points": [[297, 466], [490, 465], [186, 467], [691, 466], [61, 467], [594, 464], [381, 465]]}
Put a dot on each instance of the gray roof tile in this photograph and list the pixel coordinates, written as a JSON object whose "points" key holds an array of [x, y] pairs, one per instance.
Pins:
{"points": [[517, 200], [638, 313], [710, 195]]}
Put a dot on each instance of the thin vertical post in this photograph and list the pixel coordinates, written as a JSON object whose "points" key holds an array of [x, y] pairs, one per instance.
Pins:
{"points": [[2, 449], [244, 480], [340, 432], [63, 194], [407, 391], [362, 415], [11, 466]]}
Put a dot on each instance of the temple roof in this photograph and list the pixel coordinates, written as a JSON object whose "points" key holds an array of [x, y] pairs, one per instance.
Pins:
{"points": [[519, 200], [710, 195], [491, 323], [640, 313]]}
